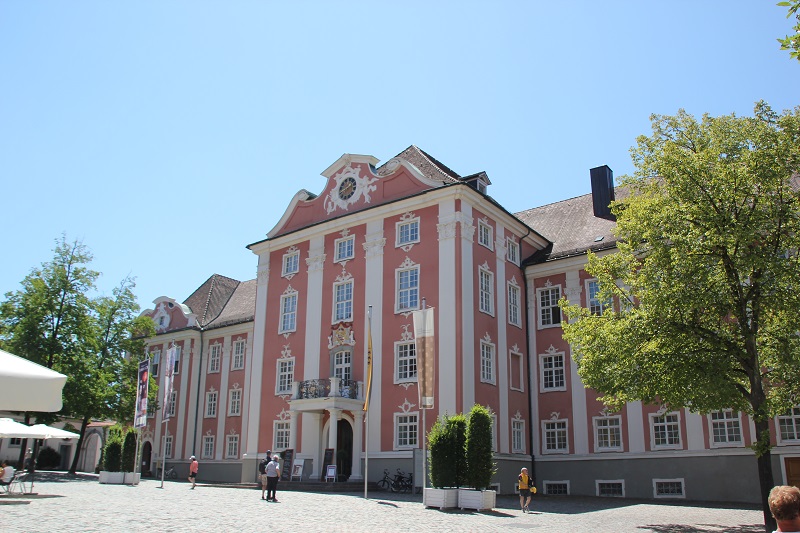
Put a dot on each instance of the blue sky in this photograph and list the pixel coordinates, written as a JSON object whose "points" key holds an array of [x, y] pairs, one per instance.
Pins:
{"points": [[168, 135]]}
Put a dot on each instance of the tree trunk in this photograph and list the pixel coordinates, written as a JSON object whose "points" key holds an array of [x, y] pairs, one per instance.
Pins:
{"points": [[765, 478], [73, 469], [24, 445]]}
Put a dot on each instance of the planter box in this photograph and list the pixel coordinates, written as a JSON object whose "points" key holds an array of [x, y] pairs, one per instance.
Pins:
{"points": [[477, 499], [112, 478], [441, 498], [131, 478]]}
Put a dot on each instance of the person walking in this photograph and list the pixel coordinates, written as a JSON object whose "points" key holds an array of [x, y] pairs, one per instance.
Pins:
{"points": [[784, 504], [262, 472], [273, 471], [526, 490], [194, 466]]}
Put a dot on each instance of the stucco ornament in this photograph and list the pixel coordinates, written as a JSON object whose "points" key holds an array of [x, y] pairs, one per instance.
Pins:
{"points": [[362, 187], [342, 335]]}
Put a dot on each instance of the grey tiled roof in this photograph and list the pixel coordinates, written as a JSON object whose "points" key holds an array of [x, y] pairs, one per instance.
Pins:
{"points": [[241, 307], [209, 300], [571, 226], [429, 166]]}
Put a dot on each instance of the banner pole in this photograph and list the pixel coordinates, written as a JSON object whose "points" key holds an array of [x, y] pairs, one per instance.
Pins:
{"points": [[367, 399]]}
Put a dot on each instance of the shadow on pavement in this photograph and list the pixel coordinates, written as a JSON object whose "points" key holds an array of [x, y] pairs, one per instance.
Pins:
{"points": [[62, 477], [704, 528]]}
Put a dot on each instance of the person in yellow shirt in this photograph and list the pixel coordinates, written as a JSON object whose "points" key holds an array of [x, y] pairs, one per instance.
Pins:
{"points": [[526, 490]]}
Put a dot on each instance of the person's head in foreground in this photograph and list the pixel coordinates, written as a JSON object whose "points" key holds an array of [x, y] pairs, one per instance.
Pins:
{"points": [[784, 504]]}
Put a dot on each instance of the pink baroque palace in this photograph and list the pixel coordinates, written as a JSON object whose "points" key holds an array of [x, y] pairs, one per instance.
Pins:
{"points": [[280, 362]]}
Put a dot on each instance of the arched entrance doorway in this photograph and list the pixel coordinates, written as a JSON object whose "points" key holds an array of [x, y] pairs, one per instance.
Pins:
{"points": [[344, 449], [147, 452]]}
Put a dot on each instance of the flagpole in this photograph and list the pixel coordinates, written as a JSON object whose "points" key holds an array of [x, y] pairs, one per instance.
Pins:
{"points": [[424, 439], [366, 405]]}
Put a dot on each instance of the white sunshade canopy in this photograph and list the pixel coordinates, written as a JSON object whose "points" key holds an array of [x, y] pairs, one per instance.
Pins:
{"points": [[26, 386], [48, 432], [11, 429]]}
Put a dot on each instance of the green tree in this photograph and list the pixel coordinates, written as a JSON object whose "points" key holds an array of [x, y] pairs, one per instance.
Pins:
{"points": [[792, 42], [447, 443], [706, 275], [480, 462]]}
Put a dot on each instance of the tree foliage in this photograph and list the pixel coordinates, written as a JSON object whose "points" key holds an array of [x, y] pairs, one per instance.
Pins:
{"points": [[792, 42], [706, 275]]}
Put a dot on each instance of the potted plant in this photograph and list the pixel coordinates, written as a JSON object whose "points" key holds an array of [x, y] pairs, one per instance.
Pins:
{"points": [[448, 461], [112, 459], [129, 458], [480, 462]]}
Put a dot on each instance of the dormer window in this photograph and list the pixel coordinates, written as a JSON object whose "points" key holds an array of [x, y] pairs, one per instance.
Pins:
{"points": [[481, 186]]}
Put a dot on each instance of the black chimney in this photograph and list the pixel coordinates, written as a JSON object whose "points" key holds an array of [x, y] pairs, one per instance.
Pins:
{"points": [[602, 191]]}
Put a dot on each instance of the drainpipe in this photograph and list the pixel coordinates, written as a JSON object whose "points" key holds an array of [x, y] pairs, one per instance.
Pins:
{"points": [[197, 401], [528, 367]]}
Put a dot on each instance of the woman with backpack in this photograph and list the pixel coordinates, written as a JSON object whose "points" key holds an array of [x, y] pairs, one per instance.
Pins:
{"points": [[273, 471]]}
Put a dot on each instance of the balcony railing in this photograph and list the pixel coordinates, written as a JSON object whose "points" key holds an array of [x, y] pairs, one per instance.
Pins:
{"points": [[327, 388]]}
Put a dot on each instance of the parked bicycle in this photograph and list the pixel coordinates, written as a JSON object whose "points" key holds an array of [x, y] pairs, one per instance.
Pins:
{"points": [[169, 474], [399, 483]]}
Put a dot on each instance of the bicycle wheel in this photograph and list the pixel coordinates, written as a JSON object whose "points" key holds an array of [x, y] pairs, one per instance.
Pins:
{"points": [[173, 474], [383, 484]]}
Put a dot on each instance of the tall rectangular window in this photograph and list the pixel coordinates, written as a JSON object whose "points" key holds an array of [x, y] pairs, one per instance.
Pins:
{"points": [[725, 428], [155, 361], [516, 371], [345, 248], [486, 291], [405, 355], [285, 376], [177, 360], [231, 446], [514, 297], [282, 431], [342, 361], [237, 361], [173, 400], [291, 263], [214, 356], [343, 302], [168, 446], [549, 312], [408, 289], [596, 306], [789, 424], [485, 235], [288, 313], [234, 402], [555, 436], [665, 430], [407, 232], [608, 433], [208, 447], [517, 436], [487, 363], [512, 251], [552, 368], [211, 404], [405, 426]]}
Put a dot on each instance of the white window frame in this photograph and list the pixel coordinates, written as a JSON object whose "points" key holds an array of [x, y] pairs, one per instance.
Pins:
{"points": [[208, 447], [547, 482], [343, 308], [517, 367], [793, 418], [488, 354], [728, 422], [672, 496], [399, 291], [514, 304], [546, 431], [677, 422], [551, 323], [287, 318], [409, 357], [231, 446], [517, 435], [168, 447], [598, 482], [400, 230], [512, 251], [214, 358], [410, 426], [282, 432], [544, 370], [485, 291], [212, 404], [284, 372], [238, 353], [155, 362], [235, 402], [495, 440], [593, 303], [598, 423], [349, 245], [176, 368], [173, 400], [343, 369], [290, 263], [485, 235]]}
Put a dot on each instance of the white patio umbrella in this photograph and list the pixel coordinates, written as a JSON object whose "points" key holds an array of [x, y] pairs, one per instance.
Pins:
{"points": [[48, 432], [11, 429], [26, 386]]}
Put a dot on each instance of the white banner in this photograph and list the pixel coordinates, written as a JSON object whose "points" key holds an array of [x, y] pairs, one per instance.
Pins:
{"points": [[426, 356]]}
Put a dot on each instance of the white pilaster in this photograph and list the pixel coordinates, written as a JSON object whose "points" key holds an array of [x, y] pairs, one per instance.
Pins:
{"points": [[446, 326], [468, 335], [580, 421], [255, 361], [222, 405], [636, 429], [316, 264], [358, 426], [694, 431], [374, 243], [503, 417]]}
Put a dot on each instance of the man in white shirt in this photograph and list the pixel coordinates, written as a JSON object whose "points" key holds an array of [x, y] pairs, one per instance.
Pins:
{"points": [[8, 474]]}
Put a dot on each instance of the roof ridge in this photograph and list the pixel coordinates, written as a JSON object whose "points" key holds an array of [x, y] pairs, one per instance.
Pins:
{"points": [[438, 165]]}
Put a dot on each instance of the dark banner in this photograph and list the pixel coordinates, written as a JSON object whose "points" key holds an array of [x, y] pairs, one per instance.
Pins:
{"points": [[140, 418]]}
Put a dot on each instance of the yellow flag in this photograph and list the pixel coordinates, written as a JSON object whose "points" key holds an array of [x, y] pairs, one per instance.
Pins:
{"points": [[369, 360]]}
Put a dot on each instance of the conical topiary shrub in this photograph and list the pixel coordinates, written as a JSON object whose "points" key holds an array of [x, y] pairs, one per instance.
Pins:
{"points": [[129, 451], [480, 464], [446, 442]]}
